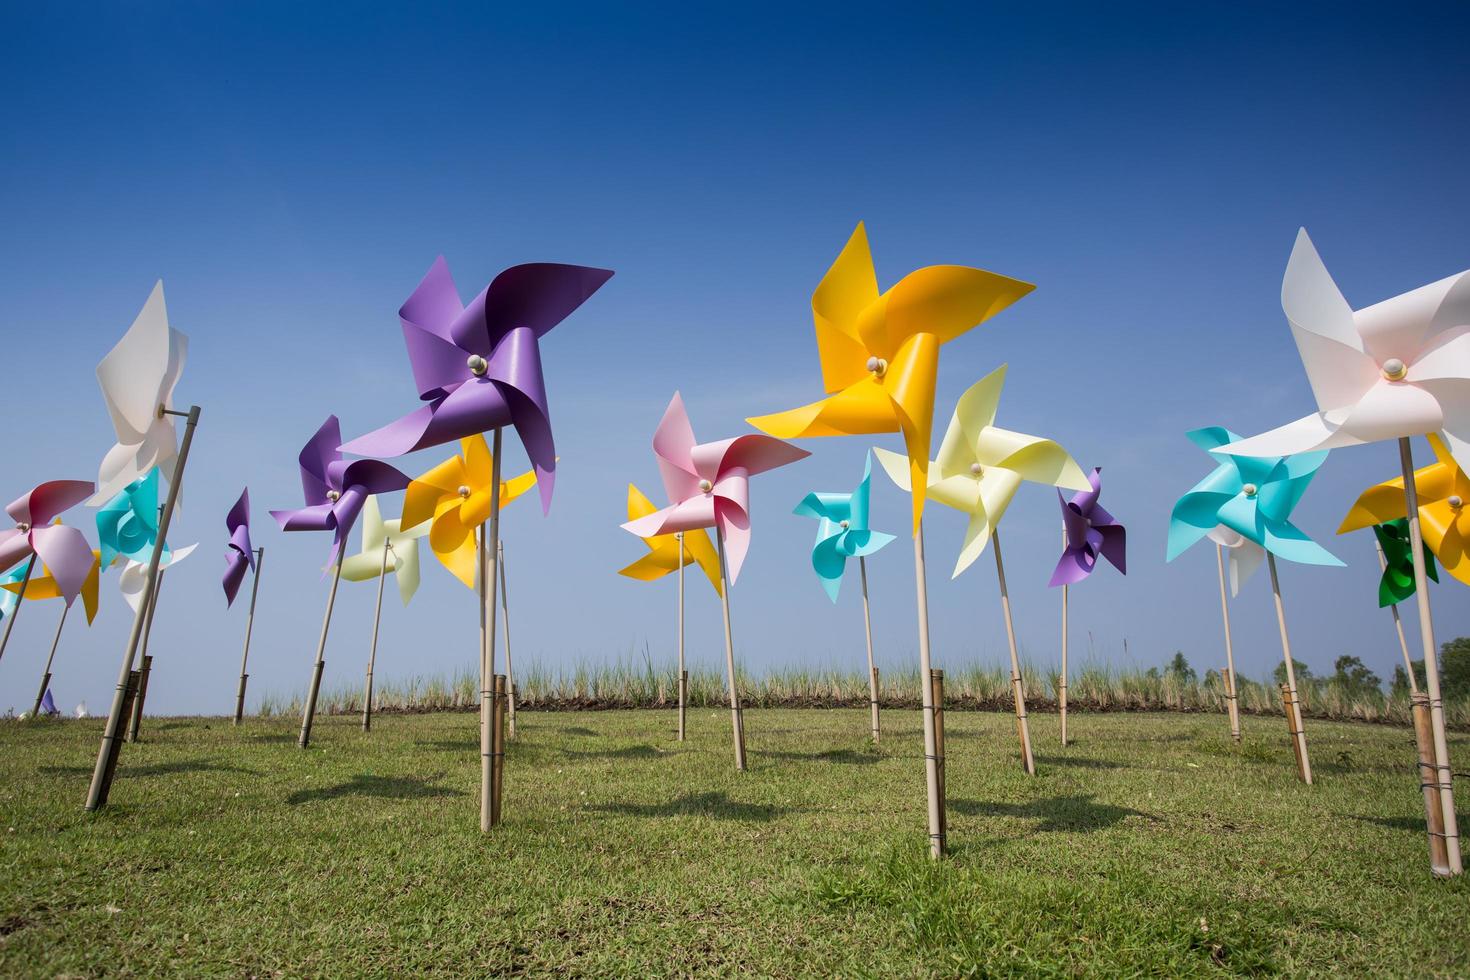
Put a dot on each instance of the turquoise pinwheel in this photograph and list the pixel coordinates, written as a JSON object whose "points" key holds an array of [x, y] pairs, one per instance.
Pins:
{"points": [[9, 600], [1251, 496], [843, 531], [127, 525]]}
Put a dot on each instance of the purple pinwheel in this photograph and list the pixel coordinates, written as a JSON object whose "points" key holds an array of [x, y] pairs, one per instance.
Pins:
{"points": [[1091, 531], [479, 366], [335, 489], [239, 555], [64, 550]]}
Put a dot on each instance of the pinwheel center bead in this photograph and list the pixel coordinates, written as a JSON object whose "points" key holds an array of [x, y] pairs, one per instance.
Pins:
{"points": [[705, 486], [477, 365], [334, 495], [1394, 369], [22, 527], [1456, 502], [878, 366], [976, 469], [842, 523], [1250, 489], [464, 491]]}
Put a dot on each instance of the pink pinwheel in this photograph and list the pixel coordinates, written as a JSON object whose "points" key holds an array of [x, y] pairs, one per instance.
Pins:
{"points": [[240, 555], [64, 550], [335, 489], [1091, 533], [479, 366], [708, 483]]}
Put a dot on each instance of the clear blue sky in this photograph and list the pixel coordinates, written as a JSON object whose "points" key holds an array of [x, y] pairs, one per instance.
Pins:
{"points": [[292, 170]]}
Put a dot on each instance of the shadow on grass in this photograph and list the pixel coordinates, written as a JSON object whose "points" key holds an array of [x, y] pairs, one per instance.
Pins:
{"points": [[452, 744], [1074, 762], [157, 769], [275, 737], [847, 757], [376, 787], [1415, 824], [577, 730], [716, 805], [629, 752], [1070, 813]]}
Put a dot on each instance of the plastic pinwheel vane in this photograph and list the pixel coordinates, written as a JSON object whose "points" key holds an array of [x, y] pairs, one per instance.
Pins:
{"points": [[1397, 581], [880, 351], [335, 488], [138, 377], [380, 537], [979, 469], [1244, 555], [455, 498], [708, 485], [478, 367], [134, 576], [63, 549], [842, 530], [127, 525], [1443, 491], [1091, 533], [665, 553], [239, 554]]}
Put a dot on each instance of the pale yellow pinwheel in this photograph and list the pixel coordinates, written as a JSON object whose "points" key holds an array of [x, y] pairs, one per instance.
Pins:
{"points": [[455, 496], [980, 465], [403, 551]]}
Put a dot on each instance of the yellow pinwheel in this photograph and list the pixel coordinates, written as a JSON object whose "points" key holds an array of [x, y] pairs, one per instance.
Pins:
{"points": [[46, 587], [456, 496], [980, 465], [664, 550], [1444, 518], [880, 351]]}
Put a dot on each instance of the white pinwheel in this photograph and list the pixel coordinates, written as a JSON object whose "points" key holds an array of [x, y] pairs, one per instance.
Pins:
{"points": [[1396, 369], [138, 378], [1245, 555]]}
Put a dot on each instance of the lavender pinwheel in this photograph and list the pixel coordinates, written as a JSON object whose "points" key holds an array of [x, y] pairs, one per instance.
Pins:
{"points": [[64, 549], [1091, 532], [240, 555], [479, 366], [335, 488]]}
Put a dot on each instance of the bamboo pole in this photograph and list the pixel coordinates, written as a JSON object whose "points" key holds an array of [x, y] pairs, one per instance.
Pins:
{"points": [[1428, 782], [367, 690], [510, 673], [1018, 688], [1398, 624], [19, 598], [868, 632], [146, 664], [1293, 717], [489, 764], [683, 674], [107, 753], [497, 747], [1232, 700], [46, 674], [737, 721], [1062, 688], [249, 625], [114, 748], [308, 715], [934, 786], [1442, 772], [936, 681]]}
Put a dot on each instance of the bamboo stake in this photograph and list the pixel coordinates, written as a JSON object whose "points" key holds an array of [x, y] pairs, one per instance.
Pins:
{"points": [[737, 722], [308, 715], [482, 592], [936, 680], [934, 786], [114, 748], [1442, 773], [19, 598], [1293, 724], [489, 726], [497, 747], [146, 665], [1018, 689], [510, 673], [868, 631], [107, 753], [1398, 624], [1062, 688], [1231, 699], [249, 624], [683, 674], [1433, 813], [367, 691], [46, 674]]}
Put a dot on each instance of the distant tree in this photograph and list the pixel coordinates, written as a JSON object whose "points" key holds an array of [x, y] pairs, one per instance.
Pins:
{"points": [[1213, 678], [1354, 677], [1400, 686], [1454, 668], [1303, 672], [1179, 669], [1152, 673]]}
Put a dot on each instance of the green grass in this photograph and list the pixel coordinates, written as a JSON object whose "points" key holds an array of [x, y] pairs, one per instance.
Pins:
{"points": [[1153, 846]]}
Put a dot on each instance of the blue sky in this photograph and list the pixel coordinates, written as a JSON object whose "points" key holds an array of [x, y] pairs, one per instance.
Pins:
{"points": [[291, 171]]}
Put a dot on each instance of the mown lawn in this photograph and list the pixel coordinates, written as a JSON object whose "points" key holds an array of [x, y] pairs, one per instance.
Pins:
{"points": [[1152, 846]]}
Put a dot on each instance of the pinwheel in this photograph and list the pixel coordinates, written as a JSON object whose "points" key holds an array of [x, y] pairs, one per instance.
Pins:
{"points": [[843, 533], [47, 706], [1390, 371], [381, 538], [979, 469], [457, 498], [127, 525], [1088, 532], [668, 553], [46, 587], [335, 490], [1397, 582], [708, 485], [880, 357], [1254, 498], [240, 555], [138, 377], [132, 582], [63, 549]]}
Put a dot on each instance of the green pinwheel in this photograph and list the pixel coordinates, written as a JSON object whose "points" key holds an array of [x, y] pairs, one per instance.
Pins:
{"points": [[1397, 583]]}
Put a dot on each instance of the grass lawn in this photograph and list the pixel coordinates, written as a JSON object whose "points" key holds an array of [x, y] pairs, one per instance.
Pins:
{"points": [[1152, 846]]}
